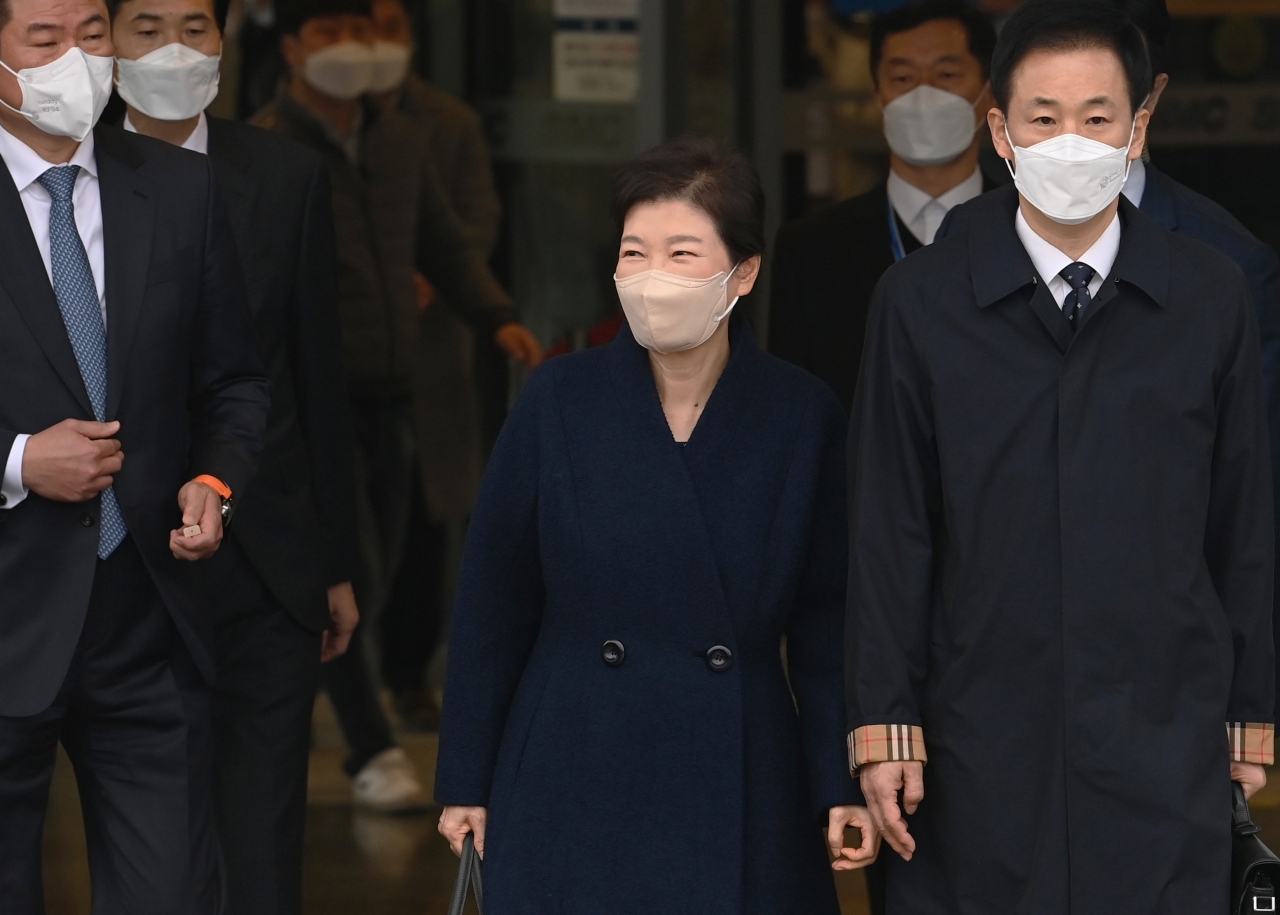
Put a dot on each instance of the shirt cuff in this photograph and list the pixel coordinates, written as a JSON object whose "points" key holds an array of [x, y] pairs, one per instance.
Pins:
{"points": [[11, 489], [1252, 742], [886, 743]]}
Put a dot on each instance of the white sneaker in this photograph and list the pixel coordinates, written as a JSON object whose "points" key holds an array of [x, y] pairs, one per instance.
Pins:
{"points": [[389, 784]]}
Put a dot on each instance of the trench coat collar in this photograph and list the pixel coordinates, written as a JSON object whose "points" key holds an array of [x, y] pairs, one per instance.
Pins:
{"points": [[727, 405], [1001, 265]]}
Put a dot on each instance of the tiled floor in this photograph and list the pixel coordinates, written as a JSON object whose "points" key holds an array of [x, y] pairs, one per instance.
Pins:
{"points": [[357, 864]]}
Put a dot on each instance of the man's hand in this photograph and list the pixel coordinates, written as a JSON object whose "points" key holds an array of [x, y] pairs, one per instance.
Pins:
{"points": [[456, 822], [423, 291], [344, 615], [881, 783], [200, 505], [848, 859], [72, 461], [1251, 776], [518, 342]]}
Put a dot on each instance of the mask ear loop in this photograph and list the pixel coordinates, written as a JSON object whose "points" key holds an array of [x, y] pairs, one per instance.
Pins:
{"points": [[1008, 163], [24, 91], [1133, 130], [723, 283]]}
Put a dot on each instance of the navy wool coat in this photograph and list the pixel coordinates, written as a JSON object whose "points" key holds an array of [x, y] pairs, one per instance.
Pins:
{"points": [[657, 783], [1061, 569]]}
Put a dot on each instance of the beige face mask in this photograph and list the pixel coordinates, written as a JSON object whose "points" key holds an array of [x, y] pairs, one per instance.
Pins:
{"points": [[670, 313]]}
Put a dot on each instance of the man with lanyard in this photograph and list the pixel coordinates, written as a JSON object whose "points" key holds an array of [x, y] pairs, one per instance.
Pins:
{"points": [[929, 61]]}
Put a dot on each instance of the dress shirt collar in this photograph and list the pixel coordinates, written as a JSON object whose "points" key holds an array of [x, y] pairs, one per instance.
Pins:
{"points": [[909, 201], [197, 142], [25, 164], [1049, 261], [1136, 184]]}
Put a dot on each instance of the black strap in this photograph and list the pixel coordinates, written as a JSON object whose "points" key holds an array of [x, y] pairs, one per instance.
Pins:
{"points": [[1241, 821], [468, 879]]}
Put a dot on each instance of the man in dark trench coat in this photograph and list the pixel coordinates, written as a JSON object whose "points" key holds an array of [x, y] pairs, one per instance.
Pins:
{"points": [[1059, 646]]}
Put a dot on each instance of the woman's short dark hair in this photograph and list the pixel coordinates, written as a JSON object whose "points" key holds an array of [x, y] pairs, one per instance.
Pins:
{"points": [[714, 177], [1070, 25], [982, 34]]}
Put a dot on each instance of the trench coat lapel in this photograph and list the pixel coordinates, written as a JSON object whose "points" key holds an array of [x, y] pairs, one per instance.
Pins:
{"points": [[1142, 262], [128, 220], [24, 280], [1001, 267]]}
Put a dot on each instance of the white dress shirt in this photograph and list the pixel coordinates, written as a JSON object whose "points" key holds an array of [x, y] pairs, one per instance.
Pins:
{"points": [[1049, 261], [924, 214], [25, 167], [1136, 184], [197, 142]]}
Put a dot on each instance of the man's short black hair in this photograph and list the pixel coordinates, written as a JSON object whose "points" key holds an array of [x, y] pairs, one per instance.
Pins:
{"points": [[1070, 25], [219, 11], [292, 15], [1152, 17], [982, 35]]}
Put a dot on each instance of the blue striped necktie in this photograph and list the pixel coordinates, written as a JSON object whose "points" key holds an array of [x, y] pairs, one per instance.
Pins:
{"points": [[78, 301]]}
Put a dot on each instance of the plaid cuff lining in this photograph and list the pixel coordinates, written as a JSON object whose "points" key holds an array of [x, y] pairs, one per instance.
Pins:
{"points": [[886, 743], [1252, 742]]}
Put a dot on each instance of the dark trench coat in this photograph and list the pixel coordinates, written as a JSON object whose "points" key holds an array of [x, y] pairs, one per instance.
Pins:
{"points": [[658, 786], [1061, 569]]}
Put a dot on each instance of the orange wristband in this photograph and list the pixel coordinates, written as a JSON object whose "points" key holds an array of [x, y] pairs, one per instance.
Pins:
{"points": [[215, 484]]}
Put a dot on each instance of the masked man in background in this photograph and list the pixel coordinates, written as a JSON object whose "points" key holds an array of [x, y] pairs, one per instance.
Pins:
{"points": [[283, 576], [132, 419], [446, 416], [929, 63], [1059, 646], [392, 221]]}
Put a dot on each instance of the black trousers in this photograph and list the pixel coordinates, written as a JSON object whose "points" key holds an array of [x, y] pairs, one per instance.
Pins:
{"points": [[133, 715], [413, 616], [268, 673], [384, 472]]}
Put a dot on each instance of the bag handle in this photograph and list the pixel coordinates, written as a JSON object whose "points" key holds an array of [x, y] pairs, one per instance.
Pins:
{"points": [[468, 878], [1241, 820]]}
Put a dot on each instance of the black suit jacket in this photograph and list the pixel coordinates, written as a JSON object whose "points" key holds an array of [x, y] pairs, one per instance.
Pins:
{"points": [[825, 267], [184, 381], [296, 516]]}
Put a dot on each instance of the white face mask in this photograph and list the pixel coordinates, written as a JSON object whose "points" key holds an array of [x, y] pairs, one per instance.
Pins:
{"points": [[390, 65], [172, 83], [343, 70], [65, 98], [929, 126], [1070, 178], [670, 313]]}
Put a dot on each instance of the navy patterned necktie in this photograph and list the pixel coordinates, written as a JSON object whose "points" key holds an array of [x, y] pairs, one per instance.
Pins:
{"points": [[1077, 276], [78, 301]]}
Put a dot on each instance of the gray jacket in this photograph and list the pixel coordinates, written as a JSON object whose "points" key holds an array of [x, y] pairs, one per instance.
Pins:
{"points": [[392, 217], [445, 409]]}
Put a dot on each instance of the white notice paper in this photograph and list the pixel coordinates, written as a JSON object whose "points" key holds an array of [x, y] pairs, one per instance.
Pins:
{"points": [[597, 9], [596, 66]]}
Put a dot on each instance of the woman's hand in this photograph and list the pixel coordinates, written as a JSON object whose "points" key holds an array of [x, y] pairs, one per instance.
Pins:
{"points": [[456, 822], [1251, 776], [850, 859]]}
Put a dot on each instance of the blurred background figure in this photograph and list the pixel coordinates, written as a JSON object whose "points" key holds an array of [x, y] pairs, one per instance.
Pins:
{"points": [[445, 409], [393, 224], [929, 62]]}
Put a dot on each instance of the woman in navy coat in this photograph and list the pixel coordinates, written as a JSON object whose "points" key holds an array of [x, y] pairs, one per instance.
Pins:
{"points": [[660, 516]]}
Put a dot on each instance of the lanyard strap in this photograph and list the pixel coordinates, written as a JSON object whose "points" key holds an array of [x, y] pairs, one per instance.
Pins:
{"points": [[895, 239]]}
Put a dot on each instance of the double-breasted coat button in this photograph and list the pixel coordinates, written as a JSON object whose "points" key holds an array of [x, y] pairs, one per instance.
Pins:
{"points": [[613, 653], [87, 520], [719, 658]]}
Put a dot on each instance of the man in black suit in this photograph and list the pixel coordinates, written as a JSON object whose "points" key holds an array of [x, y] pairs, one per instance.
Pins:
{"points": [[286, 567], [133, 415], [929, 61]]}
